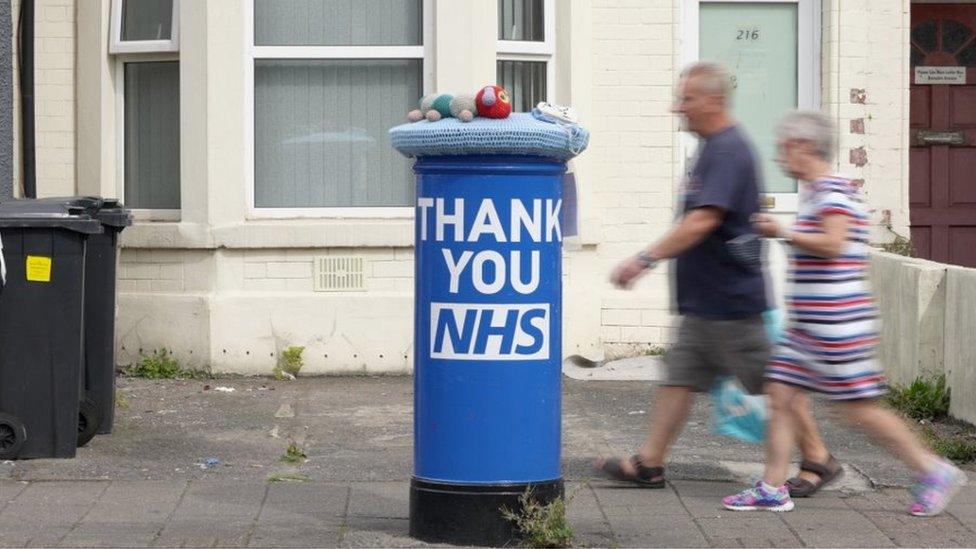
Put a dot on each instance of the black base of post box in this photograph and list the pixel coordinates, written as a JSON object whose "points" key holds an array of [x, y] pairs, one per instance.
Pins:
{"points": [[470, 514]]}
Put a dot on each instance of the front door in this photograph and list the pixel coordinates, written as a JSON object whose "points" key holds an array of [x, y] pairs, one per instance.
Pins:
{"points": [[943, 132]]}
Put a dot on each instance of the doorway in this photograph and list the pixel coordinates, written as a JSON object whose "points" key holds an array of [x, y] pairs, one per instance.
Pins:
{"points": [[942, 160]]}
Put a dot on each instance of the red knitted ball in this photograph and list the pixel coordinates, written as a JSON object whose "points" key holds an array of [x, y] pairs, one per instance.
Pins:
{"points": [[493, 102]]}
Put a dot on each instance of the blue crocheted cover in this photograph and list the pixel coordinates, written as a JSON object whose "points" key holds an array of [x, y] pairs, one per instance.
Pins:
{"points": [[518, 134]]}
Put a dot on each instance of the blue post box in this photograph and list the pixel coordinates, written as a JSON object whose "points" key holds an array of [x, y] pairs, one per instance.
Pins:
{"points": [[488, 316], [488, 342]]}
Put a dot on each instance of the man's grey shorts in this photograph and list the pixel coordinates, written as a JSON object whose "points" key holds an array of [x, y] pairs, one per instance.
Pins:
{"points": [[708, 348]]}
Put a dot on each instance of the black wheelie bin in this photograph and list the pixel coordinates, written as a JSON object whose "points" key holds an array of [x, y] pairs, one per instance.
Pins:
{"points": [[96, 414], [100, 297], [42, 326]]}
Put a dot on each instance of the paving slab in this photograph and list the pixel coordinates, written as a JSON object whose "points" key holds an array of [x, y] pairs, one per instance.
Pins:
{"points": [[45, 512], [9, 490], [127, 514], [908, 531], [749, 530], [652, 531], [380, 500], [965, 513], [838, 527], [143, 485], [223, 513]]}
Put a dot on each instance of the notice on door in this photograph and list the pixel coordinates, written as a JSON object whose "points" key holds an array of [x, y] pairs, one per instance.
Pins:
{"points": [[941, 75]]}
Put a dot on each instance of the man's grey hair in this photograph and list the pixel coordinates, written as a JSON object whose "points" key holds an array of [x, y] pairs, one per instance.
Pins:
{"points": [[714, 78], [811, 126]]}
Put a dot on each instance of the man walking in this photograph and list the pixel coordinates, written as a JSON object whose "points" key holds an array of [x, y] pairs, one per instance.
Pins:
{"points": [[720, 299]]}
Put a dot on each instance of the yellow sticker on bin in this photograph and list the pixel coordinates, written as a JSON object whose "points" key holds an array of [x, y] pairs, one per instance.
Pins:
{"points": [[38, 268]]}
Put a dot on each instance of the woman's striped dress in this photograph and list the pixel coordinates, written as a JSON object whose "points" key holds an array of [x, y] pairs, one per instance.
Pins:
{"points": [[832, 334]]}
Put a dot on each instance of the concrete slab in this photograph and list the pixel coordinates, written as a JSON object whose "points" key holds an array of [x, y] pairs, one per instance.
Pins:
{"points": [[356, 432], [941, 531], [749, 530], [675, 532], [748, 472], [380, 500], [47, 511], [834, 528], [642, 368], [220, 511], [9, 490]]}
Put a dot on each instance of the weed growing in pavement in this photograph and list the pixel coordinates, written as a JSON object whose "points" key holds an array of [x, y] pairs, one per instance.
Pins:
{"points": [[293, 455], [292, 360], [541, 525], [290, 364], [958, 445], [655, 350], [288, 477], [925, 398], [900, 246], [161, 365]]}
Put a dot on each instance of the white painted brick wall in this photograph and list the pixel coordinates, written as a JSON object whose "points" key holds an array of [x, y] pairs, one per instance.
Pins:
{"points": [[387, 270], [278, 269], [54, 106], [163, 271], [632, 154], [865, 46], [634, 144], [631, 162]]}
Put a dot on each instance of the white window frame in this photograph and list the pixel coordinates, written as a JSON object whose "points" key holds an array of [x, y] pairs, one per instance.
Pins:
{"points": [[545, 51], [808, 70], [252, 53], [139, 214], [118, 46]]}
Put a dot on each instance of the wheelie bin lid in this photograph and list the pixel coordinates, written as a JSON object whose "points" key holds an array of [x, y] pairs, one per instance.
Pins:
{"points": [[106, 210], [48, 213]]}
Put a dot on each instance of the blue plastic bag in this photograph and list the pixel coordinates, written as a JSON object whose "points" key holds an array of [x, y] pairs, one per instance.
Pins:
{"points": [[737, 413], [773, 321]]}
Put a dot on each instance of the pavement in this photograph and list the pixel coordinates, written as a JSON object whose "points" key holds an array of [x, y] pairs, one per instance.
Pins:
{"points": [[144, 484]]}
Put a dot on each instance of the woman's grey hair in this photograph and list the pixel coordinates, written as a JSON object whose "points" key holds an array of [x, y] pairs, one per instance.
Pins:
{"points": [[811, 126], [714, 78]]}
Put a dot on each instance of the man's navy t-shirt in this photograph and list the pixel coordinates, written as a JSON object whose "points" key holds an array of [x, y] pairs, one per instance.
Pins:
{"points": [[711, 283]]}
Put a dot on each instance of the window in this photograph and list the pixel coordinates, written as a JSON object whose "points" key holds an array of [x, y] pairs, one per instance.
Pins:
{"points": [[151, 142], [329, 80], [958, 43], [772, 50], [526, 38], [141, 26], [145, 37]]}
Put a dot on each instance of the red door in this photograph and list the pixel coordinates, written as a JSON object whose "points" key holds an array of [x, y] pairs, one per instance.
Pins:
{"points": [[943, 135]]}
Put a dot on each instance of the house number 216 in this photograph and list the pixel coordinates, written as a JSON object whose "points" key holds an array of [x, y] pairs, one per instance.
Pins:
{"points": [[747, 34]]}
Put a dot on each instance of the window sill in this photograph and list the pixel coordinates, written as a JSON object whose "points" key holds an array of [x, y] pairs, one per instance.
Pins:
{"points": [[293, 233], [154, 216]]}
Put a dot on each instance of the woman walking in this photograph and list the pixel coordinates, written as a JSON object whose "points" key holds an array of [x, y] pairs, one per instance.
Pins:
{"points": [[832, 336]]}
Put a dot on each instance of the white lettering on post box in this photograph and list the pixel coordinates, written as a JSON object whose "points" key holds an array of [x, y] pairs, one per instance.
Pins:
{"points": [[490, 331], [471, 331]]}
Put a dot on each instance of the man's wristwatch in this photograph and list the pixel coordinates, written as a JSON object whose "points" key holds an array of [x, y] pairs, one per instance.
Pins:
{"points": [[646, 260]]}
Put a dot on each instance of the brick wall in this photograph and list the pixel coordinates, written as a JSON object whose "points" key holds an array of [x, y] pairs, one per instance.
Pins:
{"points": [[865, 87], [54, 106], [385, 269], [163, 271], [632, 152], [635, 149]]}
